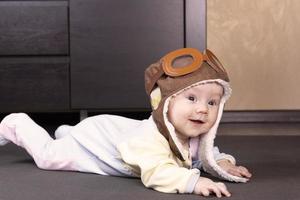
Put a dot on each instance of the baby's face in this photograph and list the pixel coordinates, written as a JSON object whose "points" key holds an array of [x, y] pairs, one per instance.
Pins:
{"points": [[194, 111]]}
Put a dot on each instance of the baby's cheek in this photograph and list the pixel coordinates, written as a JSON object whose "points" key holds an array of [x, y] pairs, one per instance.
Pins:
{"points": [[214, 116], [211, 123]]}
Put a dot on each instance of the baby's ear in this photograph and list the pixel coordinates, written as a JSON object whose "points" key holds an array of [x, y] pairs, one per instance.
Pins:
{"points": [[152, 74]]}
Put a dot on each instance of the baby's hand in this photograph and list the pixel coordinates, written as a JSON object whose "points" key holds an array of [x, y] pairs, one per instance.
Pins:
{"points": [[205, 186], [234, 170]]}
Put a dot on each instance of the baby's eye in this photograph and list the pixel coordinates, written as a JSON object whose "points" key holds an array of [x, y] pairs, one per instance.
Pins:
{"points": [[212, 103], [191, 98]]}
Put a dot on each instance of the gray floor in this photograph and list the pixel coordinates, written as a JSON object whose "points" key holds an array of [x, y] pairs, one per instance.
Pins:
{"points": [[273, 160]]}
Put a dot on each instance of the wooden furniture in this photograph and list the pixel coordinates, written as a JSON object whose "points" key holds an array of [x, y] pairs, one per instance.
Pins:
{"points": [[34, 56], [62, 56]]}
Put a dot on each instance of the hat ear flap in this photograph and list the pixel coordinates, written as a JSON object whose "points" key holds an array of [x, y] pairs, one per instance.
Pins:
{"points": [[152, 74]]}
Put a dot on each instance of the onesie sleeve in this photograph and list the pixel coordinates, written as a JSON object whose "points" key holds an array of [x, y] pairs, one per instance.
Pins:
{"points": [[157, 166], [220, 156]]}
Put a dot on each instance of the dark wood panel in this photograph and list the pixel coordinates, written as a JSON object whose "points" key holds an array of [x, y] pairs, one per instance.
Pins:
{"points": [[34, 28], [112, 42], [195, 21], [34, 85]]}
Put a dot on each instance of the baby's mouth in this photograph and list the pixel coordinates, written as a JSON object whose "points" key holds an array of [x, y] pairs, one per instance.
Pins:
{"points": [[197, 121]]}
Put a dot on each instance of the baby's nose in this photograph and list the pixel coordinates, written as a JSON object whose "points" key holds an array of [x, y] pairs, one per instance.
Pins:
{"points": [[201, 108]]}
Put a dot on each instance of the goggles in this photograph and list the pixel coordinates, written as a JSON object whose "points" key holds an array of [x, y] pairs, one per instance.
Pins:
{"points": [[197, 59]]}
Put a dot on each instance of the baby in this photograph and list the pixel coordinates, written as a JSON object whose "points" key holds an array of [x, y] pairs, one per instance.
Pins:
{"points": [[187, 90]]}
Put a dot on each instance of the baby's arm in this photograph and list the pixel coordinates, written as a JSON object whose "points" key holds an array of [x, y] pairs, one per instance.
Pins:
{"points": [[159, 171], [152, 158]]}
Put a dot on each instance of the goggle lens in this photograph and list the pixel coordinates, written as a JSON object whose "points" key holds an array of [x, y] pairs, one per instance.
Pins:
{"points": [[195, 57]]}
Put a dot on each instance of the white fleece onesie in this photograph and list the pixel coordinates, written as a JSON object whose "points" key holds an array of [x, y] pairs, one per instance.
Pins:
{"points": [[107, 145]]}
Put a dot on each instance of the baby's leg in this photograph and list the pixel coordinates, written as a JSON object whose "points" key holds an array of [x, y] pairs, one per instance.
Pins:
{"points": [[61, 154], [3, 140]]}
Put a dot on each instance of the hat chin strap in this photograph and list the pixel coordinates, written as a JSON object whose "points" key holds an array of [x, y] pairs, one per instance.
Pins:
{"points": [[206, 152]]}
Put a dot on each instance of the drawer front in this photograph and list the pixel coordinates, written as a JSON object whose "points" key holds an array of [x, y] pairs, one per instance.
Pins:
{"points": [[34, 28], [35, 85], [109, 53]]}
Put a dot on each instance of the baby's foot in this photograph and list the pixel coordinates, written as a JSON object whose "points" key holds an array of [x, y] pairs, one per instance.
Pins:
{"points": [[62, 131], [3, 141]]}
